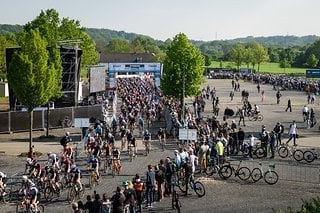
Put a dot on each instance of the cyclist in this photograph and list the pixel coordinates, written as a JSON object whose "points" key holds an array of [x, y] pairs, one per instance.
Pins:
{"points": [[67, 162], [147, 138], [162, 137], [123, 134], [116, 158], [256, 109], [68, 151], [76, 176], [30, 192], [94, 161], [53, 176], [53, 160]]}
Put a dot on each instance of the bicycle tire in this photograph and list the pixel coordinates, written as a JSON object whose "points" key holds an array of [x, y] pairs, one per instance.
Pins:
{"points": [[256, 174], [271, 177], [298, 155], [182, 184], [199, 188], [48, 193], [21, 209], [6, 195], [259, 152], [225, 172], [82, 191], [211, 170], [260, 117], [244, 173], [308, 156], [283, 152], [72, 195], [245, 151], [40, 208]]}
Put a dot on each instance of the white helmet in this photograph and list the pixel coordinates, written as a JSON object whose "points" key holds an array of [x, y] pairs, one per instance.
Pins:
{"points": [[2, 175], [24, 177], [29, 161]]}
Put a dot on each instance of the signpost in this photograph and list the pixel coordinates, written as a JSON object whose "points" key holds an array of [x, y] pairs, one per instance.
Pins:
{"points": [[188, 134]]}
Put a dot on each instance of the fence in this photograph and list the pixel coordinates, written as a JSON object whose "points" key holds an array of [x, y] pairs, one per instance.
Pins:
{"points": [[297, 172], [17, 121]]}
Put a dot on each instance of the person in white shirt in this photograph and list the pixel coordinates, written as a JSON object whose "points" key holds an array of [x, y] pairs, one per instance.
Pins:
{"points": [[251, 144], [293, 131], [193, 161], [305, 113]]}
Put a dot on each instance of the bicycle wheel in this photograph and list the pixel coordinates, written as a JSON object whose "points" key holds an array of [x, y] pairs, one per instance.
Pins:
{"points": [[256, 174], [250, 117], [211, 169], [182, 184], [40, 208], [198, 187], [308, 156], [283, 152], [82, 191], [20, 208], [298, 155], [245, 151], [271, 177], [259, 152], [225, 172], [244, 173], [72, 195], [48, 193], [260, 117], [6, 195]]}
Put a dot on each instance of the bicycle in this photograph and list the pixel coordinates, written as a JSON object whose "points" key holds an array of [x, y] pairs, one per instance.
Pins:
{"points": [[284, 150], [26, 208], [310, 155], [227, 170], [75, 193], [255, 117], [51, 190], [162, 142], [196, 186], [212, 167], [66, 122], [93, 179], [116, 166], [147, 144], [270, 176], [6, 195], [257, 150], [131, 152]]}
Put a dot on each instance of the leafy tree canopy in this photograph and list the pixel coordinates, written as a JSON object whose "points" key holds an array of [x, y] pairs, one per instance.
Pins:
{"points": [[183, 61]]}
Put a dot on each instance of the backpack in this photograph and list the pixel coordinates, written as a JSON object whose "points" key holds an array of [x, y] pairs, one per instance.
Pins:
{"points": [[282, 129]]}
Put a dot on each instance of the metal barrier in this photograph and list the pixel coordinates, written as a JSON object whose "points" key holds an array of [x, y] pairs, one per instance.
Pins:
{"points": [[17, 121], [297, 172]]}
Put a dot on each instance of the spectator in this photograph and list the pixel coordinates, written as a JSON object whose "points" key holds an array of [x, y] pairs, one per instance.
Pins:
{"points": [[75, 208], [273, 138], [289, 106], [150, 183], [293, 131], [138, 187], [106, 204], [168, 174], [118, 201], [97, 204]]}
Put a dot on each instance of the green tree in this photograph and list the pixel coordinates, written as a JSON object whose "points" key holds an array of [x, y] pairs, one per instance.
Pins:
{"points": [[53, 29], [183, 69], [260, 55], [248, 56], [312, 61], [207, 60], [118, 46], [237, 54], [284, 63], [5, 42], [34, 72]]}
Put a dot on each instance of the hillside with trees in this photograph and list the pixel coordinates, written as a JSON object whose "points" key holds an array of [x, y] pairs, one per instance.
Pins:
{"points": [[288, 51]]}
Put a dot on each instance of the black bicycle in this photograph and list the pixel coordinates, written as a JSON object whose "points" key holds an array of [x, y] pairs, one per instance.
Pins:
{"points": [[196, 186], [227, 170]]}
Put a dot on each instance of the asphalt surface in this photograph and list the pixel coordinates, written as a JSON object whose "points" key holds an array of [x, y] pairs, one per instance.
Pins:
{"points": [[230, 195]]}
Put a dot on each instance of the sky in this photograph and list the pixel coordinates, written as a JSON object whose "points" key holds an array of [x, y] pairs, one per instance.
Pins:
{"points": [[162, 19]]}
